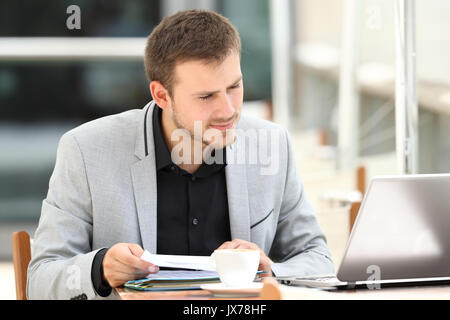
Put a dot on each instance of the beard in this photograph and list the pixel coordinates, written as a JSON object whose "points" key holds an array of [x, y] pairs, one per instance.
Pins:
{"points": [[208, 137]]}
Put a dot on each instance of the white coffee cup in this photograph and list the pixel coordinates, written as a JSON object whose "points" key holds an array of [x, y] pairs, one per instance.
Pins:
{"points": [[236, 267]]}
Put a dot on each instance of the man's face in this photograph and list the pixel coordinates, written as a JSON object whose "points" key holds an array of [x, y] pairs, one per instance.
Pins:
{"points": [[210, 95]]}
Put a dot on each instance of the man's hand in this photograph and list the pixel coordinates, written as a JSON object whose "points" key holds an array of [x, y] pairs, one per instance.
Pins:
{"points": [[122, 263], [264, 261]]}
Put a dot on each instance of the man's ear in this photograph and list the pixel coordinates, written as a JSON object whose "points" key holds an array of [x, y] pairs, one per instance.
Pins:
{"points": [[160, 94]]}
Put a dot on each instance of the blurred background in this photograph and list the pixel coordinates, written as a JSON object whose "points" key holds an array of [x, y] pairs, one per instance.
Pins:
{"points": [[303, 61]]}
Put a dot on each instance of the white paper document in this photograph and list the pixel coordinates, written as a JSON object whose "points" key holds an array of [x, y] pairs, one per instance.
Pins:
{"points": [[179, 261]]}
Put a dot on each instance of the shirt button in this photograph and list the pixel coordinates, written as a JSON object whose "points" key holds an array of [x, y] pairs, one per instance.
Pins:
{"points": [[195, 221], [193, 178], [172, 168]]}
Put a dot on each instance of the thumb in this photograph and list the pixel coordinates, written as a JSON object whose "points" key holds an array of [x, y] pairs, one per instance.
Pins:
{"points": [[136, 250]]}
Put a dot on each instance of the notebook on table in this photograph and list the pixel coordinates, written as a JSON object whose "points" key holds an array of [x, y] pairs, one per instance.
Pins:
{"points": [[166, 280]]}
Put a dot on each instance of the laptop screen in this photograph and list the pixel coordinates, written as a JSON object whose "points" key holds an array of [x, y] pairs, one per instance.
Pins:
{"points": [[402, 230]]}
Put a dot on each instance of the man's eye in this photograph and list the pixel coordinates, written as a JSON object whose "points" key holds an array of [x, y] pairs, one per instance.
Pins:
{"points": [[236, 86], [205, 97]]}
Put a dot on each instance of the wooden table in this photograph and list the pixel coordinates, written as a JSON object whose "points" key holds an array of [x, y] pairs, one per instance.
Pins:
{"points": [[129, 294], [274, 291]]}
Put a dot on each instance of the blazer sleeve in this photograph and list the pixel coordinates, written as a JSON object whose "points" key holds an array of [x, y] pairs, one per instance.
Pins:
{"points": [[300, 246], [62, 258]]}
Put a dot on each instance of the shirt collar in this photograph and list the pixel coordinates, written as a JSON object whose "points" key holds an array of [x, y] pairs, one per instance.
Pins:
{"points": [[163, 157]]}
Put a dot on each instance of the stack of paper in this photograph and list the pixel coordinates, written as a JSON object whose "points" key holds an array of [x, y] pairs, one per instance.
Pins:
{"points": [[198, 270], [179, 261], [174, 280]]}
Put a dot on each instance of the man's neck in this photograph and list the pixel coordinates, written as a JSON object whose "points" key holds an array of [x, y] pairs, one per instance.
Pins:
{"points": [[168, 127]]}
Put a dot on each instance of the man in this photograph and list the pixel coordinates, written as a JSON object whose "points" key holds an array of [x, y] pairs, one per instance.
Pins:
{"points": [[174, 177]]}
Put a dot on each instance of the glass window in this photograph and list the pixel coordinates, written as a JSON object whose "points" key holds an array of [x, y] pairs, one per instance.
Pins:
{"points": [[43, 92], [40, 99], [251, 18], [99, 18]]}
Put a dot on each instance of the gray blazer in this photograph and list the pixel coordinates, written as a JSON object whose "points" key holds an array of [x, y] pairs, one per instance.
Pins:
{"points": [[103, 191]]}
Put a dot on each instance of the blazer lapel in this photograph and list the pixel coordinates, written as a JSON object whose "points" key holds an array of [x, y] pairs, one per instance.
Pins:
{"points": [[238, 205], [143, 175]]}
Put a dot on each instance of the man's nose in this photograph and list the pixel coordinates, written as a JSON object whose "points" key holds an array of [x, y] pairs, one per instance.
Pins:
{"points": [[226, 108]]}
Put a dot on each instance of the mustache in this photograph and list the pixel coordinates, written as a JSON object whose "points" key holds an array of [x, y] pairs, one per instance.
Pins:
{"points": [[220, 121]]}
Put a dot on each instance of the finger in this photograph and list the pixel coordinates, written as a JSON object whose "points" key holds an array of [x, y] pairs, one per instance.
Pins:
{"points": [[136, 250], [247, 245], [132, 272], [240, 244], [126, 268], [132, 261], [227, 245]]}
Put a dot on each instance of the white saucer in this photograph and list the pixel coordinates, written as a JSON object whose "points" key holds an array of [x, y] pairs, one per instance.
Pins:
{"points": [[222, 290]]}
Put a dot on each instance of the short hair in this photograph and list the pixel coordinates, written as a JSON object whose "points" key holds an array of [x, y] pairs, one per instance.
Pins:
{"points": [[186, 36]]}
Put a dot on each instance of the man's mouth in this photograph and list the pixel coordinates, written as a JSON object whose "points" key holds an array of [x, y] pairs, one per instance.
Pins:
{"points": [[222, 126]]}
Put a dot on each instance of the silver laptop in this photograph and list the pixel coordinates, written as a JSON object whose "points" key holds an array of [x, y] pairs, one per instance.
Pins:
{"points": [[400, 237]]}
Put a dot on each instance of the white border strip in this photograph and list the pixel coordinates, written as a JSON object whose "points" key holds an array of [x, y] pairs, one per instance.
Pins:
{"points": [[50, 48]]}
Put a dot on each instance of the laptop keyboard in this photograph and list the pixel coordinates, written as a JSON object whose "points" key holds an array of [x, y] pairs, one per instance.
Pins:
{"points": [[316, 278]]}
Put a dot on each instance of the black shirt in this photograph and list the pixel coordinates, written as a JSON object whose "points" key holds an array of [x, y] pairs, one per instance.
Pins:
{"points": [[192, 209]]}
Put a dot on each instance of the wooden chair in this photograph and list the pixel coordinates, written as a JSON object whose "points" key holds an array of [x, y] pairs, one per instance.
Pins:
{"points": [[354, 209], [21, 256], [361, 186]]}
